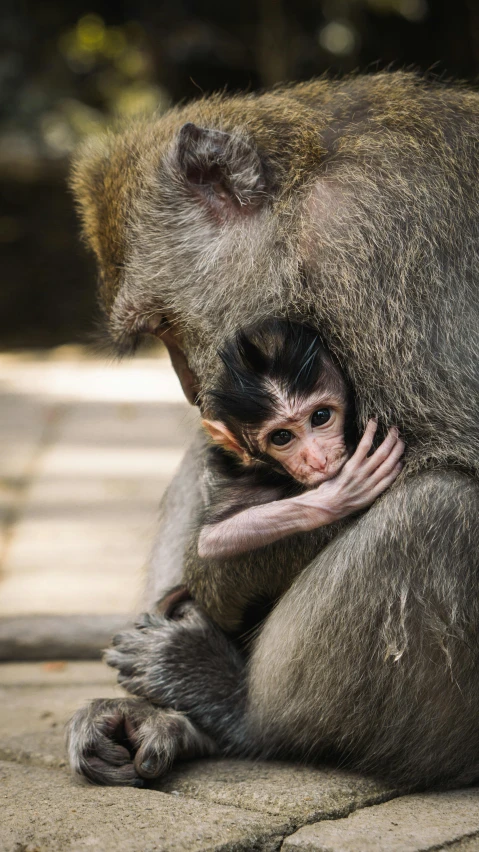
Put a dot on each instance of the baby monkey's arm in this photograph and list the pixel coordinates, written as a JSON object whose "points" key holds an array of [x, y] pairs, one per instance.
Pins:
{"points": [[362, 479]]}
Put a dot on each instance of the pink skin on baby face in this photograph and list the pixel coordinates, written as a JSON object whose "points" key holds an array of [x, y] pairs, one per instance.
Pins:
{"points": [[306, 437]]}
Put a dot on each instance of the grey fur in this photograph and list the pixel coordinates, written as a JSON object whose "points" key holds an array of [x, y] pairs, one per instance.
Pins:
{"points": [[379, 668], [177, 511], [369, 227]]}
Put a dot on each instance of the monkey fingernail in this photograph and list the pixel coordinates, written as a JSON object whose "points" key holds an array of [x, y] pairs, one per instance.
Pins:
{"points": [[149, 768]]}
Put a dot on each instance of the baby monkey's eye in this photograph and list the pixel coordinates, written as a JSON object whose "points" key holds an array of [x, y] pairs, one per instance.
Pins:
{"points": [[321, 416], [281, 437]]}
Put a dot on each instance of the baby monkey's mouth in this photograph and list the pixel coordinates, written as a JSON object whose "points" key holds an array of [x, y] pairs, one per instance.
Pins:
{"points": [[317, 478]]}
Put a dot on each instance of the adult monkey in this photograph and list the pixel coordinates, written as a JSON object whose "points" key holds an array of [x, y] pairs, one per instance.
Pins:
{"points": [[354, 204]]}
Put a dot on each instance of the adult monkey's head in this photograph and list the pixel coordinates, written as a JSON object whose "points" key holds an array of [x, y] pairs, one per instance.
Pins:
{"points": [[191, 224], [353, 205]]}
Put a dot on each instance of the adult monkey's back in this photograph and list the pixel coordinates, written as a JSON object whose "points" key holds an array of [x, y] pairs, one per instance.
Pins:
{"points": [[354, 204]]}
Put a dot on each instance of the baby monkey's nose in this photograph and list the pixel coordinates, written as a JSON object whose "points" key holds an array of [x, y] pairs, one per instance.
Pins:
{"points": [[316, 457]]}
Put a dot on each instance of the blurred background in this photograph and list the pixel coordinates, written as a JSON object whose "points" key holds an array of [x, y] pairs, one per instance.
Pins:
{"points": [[69, 67], [87, 447]]}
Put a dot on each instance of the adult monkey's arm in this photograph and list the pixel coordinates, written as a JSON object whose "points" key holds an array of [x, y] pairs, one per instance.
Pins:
{"points": [[179, 509]]}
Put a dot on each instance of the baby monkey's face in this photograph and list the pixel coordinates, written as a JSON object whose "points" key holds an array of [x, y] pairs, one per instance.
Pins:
{"points": [[306, 436]]}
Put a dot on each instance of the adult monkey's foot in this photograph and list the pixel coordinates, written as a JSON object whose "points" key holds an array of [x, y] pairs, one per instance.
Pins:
{"points": [[186, 664], [126, 741]]}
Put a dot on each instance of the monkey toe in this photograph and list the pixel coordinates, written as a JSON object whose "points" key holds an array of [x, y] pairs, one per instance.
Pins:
{"points": [[112, 753], [128, 640], [117, 658], [149, 767], [100, 772], [132, 671], [103, 738], [166, 735], [149, 621], [132, 652], [152, 762]]}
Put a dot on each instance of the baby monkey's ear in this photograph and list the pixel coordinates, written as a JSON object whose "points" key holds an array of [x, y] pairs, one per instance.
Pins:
{"points": [[221, 435], [224, 169]]}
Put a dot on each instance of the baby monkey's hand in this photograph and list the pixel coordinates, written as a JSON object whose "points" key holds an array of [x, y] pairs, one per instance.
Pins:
{"points": [[362, 479]]}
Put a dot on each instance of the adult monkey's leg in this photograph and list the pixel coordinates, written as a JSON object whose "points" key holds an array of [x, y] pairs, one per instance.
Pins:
{"points": [[373, 653]]}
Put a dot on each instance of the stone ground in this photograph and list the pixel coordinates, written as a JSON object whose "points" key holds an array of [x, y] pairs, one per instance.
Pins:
{"points": [[86, 449]]}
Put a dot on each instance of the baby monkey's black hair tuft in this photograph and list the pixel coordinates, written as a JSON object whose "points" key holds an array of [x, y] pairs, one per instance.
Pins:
{"points": [[276, 354]]}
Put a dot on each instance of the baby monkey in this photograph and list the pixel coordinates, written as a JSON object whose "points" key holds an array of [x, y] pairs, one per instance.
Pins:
{"points": [[282, 410]]}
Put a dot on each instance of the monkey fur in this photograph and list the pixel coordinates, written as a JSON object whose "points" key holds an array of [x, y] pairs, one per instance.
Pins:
{"points": [[272, 351], [353, 205]]}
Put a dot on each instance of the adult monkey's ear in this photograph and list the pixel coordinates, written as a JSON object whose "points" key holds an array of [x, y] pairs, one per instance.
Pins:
{"points": [[223, 169], [220, 434]]}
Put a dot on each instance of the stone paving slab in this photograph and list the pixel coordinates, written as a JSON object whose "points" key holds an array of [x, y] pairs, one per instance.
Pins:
{"points": [[216, 805], [42, 811], [409, 824], [301, 793], [36, 702]]}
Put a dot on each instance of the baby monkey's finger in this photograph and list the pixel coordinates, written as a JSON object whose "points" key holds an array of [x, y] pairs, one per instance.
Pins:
{"points": [[388, 464], [383, 451], [364, 445], [386, 482]]}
